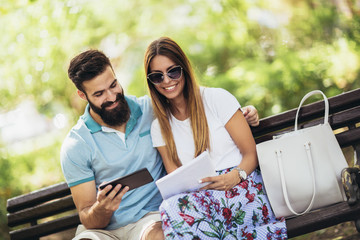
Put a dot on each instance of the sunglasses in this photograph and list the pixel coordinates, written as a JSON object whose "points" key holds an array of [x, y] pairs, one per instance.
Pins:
{"points": [[158, 77]]}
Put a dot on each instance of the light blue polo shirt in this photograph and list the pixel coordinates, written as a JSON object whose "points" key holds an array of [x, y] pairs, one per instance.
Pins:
{"points": [[88, 153]]}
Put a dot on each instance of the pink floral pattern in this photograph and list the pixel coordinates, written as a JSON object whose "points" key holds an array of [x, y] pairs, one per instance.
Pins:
{"points": [[243, 212]]}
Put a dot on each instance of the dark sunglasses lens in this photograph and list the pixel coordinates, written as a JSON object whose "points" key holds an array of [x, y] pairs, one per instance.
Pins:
{"points": [[156, 77], [174, 73]]}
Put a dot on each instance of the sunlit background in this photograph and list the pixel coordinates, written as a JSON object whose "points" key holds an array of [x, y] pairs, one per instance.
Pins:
{"points": [[267, 53]]}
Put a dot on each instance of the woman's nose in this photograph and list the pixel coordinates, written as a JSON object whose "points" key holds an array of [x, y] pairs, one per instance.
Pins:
{"points": [[166, 79]]}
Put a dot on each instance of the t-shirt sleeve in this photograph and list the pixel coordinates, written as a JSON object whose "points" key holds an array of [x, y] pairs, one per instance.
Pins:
{"points": [[156, 136], [221, 102], [75, 158]]}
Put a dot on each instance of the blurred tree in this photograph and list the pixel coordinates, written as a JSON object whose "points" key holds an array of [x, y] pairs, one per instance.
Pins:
{"points": [[270, 55]]}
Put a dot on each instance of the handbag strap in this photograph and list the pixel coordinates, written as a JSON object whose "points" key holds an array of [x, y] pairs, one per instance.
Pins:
{"points": [[326, 118], [283, 183]]}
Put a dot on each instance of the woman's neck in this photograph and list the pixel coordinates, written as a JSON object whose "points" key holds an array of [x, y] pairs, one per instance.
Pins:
{"points": [[179, 108]]}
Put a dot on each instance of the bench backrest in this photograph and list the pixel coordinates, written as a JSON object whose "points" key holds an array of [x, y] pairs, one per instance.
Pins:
{"points": [[47, 202]]}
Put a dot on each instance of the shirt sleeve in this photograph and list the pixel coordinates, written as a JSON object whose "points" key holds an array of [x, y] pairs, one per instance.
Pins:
{"points": [[75, 160], [222, 103], [156, 136]]}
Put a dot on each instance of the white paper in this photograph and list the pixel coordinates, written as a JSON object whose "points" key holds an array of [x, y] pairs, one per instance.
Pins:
{"points": [[186, 178]]}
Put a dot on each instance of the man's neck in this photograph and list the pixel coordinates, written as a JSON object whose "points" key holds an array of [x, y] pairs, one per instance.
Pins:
{"points": [[98, 119]]}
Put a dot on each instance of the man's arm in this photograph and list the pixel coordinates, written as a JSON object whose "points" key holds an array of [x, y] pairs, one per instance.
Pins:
{"points": [[251, 115], [95, 210]]}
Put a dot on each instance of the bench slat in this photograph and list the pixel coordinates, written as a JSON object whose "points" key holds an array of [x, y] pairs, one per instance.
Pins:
{"points": [[47, 228], [42, 211], [323, 218], [349, 138], [314, 110], [338, 120], [345, 118], [37, 197]]}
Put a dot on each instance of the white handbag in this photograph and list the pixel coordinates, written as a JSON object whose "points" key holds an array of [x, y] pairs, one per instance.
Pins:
{"points": [[301, 169]]}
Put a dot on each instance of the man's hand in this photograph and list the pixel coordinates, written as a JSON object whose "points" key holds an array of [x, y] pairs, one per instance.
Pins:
{"points": [[107, 202], [95, 209], [109, 199], [251, 115]]}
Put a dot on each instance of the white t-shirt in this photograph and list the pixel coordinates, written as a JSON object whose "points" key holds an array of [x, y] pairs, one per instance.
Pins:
{"points": [[219, 106]]}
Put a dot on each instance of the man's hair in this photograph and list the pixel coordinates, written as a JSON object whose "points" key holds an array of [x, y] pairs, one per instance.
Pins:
{"points": [[86, 66]]}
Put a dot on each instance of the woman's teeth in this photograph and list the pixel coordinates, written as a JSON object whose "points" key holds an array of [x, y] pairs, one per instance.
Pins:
{"points": [[170, 88]]}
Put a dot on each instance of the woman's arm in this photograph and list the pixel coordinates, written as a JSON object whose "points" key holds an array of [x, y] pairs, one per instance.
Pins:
{"points": [[169, 165], [240, 132]]}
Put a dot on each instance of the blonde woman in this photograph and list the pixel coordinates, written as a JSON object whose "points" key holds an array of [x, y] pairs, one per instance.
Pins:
{"points": [[190, 120]]}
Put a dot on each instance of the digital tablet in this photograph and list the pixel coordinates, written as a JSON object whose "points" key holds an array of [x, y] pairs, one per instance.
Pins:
{"points": [[132, 180]]}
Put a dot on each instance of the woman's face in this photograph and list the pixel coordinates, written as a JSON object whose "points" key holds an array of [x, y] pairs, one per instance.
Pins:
{"points": [[171, 89]]}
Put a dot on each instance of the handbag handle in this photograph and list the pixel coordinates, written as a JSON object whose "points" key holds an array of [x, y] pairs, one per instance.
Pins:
{"points": [[283, 184], [326, 118]]}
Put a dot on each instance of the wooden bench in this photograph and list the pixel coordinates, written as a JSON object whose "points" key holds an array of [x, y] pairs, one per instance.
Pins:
{"points": [[31, 215]]}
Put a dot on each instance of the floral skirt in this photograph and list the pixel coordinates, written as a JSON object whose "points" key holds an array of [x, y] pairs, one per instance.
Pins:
{"points": [[243, 212]]}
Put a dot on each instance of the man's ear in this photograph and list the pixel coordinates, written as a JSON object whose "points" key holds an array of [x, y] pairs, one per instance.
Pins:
{"points": [[82, 95]]}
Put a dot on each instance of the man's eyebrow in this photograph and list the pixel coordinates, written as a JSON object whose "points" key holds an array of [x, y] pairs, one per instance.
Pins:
{"points": [[115, 80], [97, 92]]}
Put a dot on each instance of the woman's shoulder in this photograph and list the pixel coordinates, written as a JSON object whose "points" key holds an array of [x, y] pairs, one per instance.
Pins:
{"points": [[207, 91], [156, 136], [215, 94]]}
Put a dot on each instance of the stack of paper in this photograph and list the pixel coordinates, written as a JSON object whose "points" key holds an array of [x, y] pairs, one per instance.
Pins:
{"points": [[186, 178]]}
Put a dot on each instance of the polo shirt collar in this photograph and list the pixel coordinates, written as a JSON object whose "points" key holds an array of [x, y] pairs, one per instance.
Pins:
{"points": [[135, 113]]}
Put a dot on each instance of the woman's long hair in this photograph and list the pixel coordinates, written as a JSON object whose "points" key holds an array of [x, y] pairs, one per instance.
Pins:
{"points": [[167, 47]]}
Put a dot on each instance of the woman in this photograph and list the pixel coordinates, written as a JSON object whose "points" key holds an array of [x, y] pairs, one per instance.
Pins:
{"points": [[191, 120]]}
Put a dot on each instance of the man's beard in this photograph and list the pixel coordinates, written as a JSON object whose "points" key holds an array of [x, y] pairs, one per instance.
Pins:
{"points": [[114, 117]]}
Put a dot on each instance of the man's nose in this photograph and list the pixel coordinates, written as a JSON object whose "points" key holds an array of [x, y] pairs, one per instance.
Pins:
{"points": [[111, 96]]}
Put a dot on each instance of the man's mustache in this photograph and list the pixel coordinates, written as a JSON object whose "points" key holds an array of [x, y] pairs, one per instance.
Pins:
{"points": [[108, 103]]}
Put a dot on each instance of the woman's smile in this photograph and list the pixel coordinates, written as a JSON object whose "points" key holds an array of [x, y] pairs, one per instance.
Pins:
{"points": [[170, 88]]}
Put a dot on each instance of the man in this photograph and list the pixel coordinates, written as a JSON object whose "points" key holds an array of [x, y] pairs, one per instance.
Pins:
{"points": [[110, 140]]}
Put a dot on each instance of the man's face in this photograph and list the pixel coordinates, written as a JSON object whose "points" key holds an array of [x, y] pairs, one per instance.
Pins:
{"points": [[106, 98]]}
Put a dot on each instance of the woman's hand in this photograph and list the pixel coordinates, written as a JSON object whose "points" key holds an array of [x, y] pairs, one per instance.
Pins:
{"points": [[251, 115], [223, 182]]}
